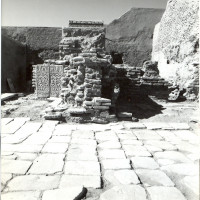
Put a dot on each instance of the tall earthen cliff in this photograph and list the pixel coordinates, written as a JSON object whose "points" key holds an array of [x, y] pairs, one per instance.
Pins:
{"points": [[132, 34]]}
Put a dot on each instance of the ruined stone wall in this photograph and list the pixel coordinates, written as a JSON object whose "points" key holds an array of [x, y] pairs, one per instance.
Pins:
{"points": [[176, 45]]}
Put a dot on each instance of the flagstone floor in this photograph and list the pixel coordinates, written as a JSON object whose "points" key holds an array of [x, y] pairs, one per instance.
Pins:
{"points": [[125, 160]]}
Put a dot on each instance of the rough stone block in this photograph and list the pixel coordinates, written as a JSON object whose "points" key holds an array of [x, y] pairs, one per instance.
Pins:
{"points": [[30, 195], [131, 150], [112, 154], [55, 148]]}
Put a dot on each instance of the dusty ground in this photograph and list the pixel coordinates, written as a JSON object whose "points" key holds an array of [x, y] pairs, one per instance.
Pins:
{"points": [[29, 106]]}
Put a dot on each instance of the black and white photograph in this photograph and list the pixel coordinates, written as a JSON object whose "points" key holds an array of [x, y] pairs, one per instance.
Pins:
{"points": [[100, 100]]}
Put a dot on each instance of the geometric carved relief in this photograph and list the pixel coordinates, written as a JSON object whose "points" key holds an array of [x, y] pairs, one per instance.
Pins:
{"points": [[42, 80], [56, 73], [48, 80]]}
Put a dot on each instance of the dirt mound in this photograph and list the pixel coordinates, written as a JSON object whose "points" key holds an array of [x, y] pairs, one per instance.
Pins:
{"points": [[132, 34]]}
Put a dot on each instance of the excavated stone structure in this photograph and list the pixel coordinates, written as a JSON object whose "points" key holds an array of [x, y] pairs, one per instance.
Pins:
{"points": [[92, 89]]}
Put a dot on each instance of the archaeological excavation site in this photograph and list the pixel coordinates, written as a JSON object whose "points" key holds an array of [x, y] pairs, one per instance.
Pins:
{"points": [[102, 111]]}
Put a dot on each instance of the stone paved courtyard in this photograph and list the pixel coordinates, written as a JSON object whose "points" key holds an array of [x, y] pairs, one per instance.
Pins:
{"points": [[125, 160]]}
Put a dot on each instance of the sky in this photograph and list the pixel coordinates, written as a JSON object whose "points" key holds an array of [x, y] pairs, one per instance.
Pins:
{"points": [[57, 13]]}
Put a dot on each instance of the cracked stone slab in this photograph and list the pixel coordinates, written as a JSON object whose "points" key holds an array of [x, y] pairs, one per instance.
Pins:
{"points": [[172, 155], [59, 139], [47, 164], [134, 125], [78, 180], [32, 195], [165, 193], [161, 144], [135, 150], [24, 148], [69, 193], [76, 154], [33, 182], [144, 163], [181, 169], [147, 135], [82, 168], [15, 166], [153, 178], [121, 177], [55, 148], [112, 154], [116, 164], [125, 192], [109, 145], [83, 141]]}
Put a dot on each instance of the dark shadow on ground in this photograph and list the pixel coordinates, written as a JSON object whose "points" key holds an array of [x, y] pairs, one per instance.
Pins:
{"points": [[141, 108]]}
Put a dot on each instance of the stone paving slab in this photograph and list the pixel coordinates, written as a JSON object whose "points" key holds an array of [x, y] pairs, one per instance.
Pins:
{"points": [[21, 195], [134, 125], [116, 164], [172, 155], [5, 178], [154, 178], [26, 148], [47, 164], [69, 193], [60, 156], [60, 139], [33, 182], [78, 154], [5, 121], [55, 148], [164, 193], [82, 168], [112, 154], [121, 177], [109, 145], [78, 180], [144, 163], [179, 126], [135, 150], [147, 135], [15, 166], [14, 125], [125, 192]]}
